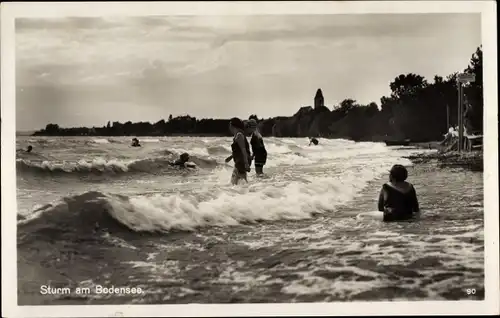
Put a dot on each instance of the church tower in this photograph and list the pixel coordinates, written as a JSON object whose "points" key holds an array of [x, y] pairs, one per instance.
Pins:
{"points": [[318, 99]]}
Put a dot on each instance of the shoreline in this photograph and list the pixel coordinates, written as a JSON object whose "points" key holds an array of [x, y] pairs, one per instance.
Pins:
{"points": [[472, 160]]}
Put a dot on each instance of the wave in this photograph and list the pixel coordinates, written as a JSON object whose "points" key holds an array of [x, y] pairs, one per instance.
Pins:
{"points": [[103, 166], [212, 206], [100, 141], [21, 154], [219, 150], [161, 213]]}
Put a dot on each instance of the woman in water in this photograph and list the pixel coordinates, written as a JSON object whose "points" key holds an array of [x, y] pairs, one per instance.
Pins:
{"points": [[258, 148], [398, 198], [240, 151]]}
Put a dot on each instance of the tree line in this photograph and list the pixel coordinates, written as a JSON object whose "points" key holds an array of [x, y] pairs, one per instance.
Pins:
{"points": [[416, 109]]}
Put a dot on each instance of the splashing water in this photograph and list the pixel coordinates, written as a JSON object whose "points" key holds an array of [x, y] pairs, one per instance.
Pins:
{"points": [[291, 236]]}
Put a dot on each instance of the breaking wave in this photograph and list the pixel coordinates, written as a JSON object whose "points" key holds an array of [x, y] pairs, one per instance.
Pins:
{"points": [[214, 205], [102, 166]]}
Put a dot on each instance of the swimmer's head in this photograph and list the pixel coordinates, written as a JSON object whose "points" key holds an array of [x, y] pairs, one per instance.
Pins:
{"points": [[29, 148], [398, 173], [185, 157]]}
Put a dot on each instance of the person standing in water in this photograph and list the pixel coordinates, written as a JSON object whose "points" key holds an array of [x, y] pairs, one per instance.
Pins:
{"points": [[398, 198], [240, 151], [259, 151]]}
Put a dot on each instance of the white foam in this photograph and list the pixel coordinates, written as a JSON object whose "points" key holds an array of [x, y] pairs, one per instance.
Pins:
{"points": [[100, 141], [195, 151], [150, 140], [371, 215], [218, 203]]}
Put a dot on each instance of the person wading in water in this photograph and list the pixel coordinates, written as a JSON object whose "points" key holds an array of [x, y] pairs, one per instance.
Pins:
{"points": [[398, 198], [240, 151], [259, 150]]}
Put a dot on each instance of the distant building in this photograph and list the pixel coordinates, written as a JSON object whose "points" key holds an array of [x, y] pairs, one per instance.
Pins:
{"points": [[318, 99]]}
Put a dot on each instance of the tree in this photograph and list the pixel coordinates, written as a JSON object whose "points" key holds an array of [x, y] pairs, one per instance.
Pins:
{"points": [[170, 117], [52, 128], [407, 85], [346, 105], [371, 109], [386, 104]]}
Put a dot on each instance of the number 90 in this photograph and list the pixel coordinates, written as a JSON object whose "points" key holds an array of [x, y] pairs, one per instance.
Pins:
{"points": [[471, 291]]}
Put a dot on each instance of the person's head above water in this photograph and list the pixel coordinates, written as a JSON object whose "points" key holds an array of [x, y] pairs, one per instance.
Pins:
{"points": [[29, 148], [251, 125], [185, 157], [135, 142], [236, 124], [398, 173]]}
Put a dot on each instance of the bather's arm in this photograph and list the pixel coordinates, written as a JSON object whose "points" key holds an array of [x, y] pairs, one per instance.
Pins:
{"points": [[381, 200]]}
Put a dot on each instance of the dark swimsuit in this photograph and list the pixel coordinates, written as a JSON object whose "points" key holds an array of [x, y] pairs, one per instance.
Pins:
{"points": [[259, 150], [399, 205], [238, 156]]}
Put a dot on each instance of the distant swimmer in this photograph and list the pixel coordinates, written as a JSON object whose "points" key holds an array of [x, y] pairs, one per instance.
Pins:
{"points": [[313, 140], [259, 155], [183, 161], [240, 151], [135, 142], [28, 149], [398, 198]]}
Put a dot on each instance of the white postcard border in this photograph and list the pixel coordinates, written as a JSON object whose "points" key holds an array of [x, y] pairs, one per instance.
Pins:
{"points": [[9, 11]]}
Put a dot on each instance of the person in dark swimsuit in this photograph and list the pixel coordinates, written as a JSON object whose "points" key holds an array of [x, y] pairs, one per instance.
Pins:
{"points": [[259, 150], [240, 151], [135, 142], [182, 162], [313, 140], [398, 198]]}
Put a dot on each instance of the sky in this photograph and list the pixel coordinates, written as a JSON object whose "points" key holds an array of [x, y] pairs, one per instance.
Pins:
{"points": [[87, 71]]}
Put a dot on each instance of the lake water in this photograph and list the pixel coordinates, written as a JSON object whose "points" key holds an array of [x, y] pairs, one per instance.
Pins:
{"points": [[96, 211]]}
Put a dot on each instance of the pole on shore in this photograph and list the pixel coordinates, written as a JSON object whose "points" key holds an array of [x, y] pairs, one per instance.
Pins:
{"points": [[447, 117], [459, 117], [462, 78]]}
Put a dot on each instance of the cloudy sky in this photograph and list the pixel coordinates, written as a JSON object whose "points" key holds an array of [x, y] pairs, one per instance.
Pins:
{"points": [[86, 71]]}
